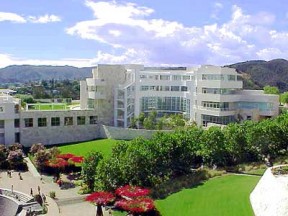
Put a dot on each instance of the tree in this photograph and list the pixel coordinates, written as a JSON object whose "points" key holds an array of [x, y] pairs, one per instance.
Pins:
{"points": [[89, 167], [41, 158], [100, 198], [213, 148], [271, 90], [141, 118], [284, 97], [3, 154], [36, 147]]}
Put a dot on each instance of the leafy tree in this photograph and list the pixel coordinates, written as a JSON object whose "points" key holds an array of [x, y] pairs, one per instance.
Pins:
{"points": [[41, 158], [141, 118], [36, 147], [271, 90], [3, 154], [284, 97], [213, 148], [89, 167]]}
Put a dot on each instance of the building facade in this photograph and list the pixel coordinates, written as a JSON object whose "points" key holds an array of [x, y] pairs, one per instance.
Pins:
{"points": [[205, 95], [115, 94]]}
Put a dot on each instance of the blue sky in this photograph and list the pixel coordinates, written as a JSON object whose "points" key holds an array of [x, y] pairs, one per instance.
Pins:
{"points": [[151, 32]]}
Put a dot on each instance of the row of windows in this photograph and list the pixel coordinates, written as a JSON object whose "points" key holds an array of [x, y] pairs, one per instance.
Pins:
{"points": [[216, 105], [167, 77], [223, 120], [221, 77], [163, 88], [55, 121], [223, 91]]}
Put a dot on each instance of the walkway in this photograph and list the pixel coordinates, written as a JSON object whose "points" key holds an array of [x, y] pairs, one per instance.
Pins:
{"points": [[67, 203]]}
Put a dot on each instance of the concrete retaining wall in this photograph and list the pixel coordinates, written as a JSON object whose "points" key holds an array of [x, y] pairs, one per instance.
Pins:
{"points": [[127, 133]]}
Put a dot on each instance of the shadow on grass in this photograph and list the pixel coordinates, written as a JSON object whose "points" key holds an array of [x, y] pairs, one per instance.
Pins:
{"points": [[188, 181]]}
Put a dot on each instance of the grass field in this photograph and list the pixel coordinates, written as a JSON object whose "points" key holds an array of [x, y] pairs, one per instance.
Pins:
{"points": [[83, 148], [221, 196], [50, 106]]}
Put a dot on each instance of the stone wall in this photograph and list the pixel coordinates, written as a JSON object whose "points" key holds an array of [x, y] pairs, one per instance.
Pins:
{"points": [[270, 196], [127, 133]]}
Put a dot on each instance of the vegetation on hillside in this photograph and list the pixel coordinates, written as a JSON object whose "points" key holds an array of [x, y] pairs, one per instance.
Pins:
{"points": [[261, 73]]}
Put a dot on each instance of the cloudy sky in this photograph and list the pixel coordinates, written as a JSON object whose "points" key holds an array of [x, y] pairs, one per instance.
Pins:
{"points": [[151, 32]]}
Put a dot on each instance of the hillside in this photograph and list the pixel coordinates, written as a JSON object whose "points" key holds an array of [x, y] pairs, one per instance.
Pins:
{"points": [[23, 73], [274, 72]]}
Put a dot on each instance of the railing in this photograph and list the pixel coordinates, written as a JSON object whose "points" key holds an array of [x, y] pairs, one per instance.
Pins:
{"points": [[17, 195]]}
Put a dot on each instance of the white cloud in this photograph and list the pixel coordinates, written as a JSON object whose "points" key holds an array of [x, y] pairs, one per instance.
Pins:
{"points": [[44, 19], [135, 37], [217, 7], [15, 18], [11, 17], [6, 60]]}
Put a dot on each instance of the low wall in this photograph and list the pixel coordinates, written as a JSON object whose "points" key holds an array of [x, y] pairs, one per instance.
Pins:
{"points": [[270, 196], [126, 133], [59, 135]]}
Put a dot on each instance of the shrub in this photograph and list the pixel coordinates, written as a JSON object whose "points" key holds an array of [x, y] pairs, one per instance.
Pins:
{"points": [[36, 147], [52, 194]]}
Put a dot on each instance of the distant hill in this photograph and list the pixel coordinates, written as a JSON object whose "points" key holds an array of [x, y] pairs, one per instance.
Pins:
{"points": [[256, 74], [24, 73], [260, 73]]}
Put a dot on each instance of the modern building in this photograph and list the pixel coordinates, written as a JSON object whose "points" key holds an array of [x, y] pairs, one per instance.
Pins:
{"points": [[116, 93], [45, 126], [205, 95]]}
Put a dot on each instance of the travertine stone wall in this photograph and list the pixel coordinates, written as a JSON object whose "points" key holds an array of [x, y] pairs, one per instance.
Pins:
{"points": [[128, 133], [270, 196]]}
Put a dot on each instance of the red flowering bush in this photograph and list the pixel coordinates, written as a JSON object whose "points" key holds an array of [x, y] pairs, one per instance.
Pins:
{"points": [[100, 198], [139, 205], [76, 159], [132, 191], [66, 156], [57, 163]]}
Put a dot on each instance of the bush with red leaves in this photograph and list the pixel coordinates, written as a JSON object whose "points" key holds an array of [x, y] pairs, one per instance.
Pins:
{"points": [[100, 198], [139, 205], [66, 156], [132, 191], [57, 163]]}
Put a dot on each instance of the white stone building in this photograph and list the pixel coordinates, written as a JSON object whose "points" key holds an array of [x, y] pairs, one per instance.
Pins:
{"points": [[116, 93], [206, 95]]}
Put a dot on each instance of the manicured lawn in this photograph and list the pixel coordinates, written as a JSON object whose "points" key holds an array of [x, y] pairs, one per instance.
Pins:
{"points": [[221, 196], [83, 148], [43, 106]]}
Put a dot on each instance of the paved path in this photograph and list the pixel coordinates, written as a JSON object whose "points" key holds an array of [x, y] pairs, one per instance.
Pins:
{"points": [[68, 202]]}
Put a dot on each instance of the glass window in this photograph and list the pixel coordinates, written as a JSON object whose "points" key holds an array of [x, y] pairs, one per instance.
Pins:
{"points": [[2, 124], [143, 76], [1, 109], [144, 88], [93, 119], [184, 88], [231, 77], [42, 122], [55, 121], [80, 120], [16, 123], [68, 121], [175, 88], [16, 108], [176, 77], [164, 77], [186, 77], [28, 122], [17, 137]]}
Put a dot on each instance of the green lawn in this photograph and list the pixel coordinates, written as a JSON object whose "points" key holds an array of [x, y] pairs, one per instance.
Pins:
{"points": [[83, 148], [50, 106], [221, 196]]}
